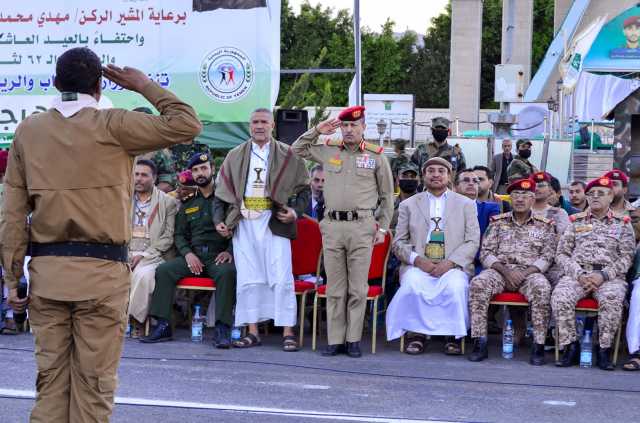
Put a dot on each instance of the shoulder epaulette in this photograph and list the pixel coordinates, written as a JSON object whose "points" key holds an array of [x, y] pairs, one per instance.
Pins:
{"points": [[500, 216], [333, 143], [373, 148], [577, 216], [542, 219]]}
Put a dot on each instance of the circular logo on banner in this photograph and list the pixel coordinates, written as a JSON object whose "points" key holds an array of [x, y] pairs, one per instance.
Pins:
{"points": [[226, 74]]}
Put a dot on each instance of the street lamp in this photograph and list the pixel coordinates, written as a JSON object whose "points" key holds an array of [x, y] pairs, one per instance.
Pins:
{"points": [[382, 128]]}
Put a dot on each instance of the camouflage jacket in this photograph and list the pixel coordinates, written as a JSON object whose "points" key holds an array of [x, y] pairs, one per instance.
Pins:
{"points": [[508, 242], [591, 244], [520, 168], [424, 152], [397, 162]]}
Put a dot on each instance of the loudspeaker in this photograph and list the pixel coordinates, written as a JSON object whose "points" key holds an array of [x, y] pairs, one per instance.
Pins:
{"points": [[290, 124]]}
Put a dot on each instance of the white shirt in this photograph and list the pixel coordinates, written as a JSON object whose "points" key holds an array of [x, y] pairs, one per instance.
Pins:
{"points": [[436, 209], [258, 168], [70, 108]]}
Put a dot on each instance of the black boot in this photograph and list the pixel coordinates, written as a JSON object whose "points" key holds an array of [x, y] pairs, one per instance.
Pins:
{"points": [[161, 333], [570, 355], [480, 351], [222, 336], [604, 359], [333, 350], [537, 355], [353, 349]]}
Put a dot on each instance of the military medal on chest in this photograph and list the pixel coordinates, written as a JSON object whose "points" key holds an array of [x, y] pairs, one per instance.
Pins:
{"points": [[434, 250]]}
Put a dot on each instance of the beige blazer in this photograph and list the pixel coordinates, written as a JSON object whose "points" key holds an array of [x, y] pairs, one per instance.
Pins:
{"points": [[461, 231], [162, 226]]}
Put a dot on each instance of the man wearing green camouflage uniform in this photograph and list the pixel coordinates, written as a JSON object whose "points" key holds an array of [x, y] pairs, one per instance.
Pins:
{"points": [[439, 147]]}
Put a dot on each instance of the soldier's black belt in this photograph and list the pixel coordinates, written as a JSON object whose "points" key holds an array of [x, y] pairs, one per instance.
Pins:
{"points": [[110, 252], [349, 216]]}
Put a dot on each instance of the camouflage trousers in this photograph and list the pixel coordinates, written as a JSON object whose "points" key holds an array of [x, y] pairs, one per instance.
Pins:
{"points": [[489, 283], [554, 274], [610, 296]]}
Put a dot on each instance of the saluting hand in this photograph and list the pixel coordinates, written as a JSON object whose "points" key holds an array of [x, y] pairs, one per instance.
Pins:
{"points": [[328, 127], [128, 78]]}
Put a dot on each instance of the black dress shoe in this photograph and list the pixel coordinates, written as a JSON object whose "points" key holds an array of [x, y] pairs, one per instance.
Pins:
{"points": [[161, 333], [222, 336], [480, 351], [604, 359], [353, 349], [333, 350], [570, 355], [537, 355]]}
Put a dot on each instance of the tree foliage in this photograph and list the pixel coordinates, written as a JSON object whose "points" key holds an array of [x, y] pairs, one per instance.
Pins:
{"points": [[391, 63]]}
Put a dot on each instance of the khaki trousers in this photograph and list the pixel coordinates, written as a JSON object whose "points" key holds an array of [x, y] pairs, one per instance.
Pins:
{"points": [[78, 347], [347, 248]]}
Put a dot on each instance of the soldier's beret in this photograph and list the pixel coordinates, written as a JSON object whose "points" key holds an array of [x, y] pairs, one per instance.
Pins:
{"points": [[541, 177], [351, 114], [440, 122], [522, 185], [197, 159], [633, 20], [601, 182], [185, 179], [408, 167], [523, 142], [437, 161], [617, 175]]}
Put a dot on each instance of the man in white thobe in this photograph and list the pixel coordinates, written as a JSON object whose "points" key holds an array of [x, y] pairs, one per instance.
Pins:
{"points": [[436, 240], [633, 324], [259, 184]]}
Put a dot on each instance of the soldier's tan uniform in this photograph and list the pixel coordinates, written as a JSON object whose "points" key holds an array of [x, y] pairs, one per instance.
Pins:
{"points": [[590, 245], [75, 175], [518, 247], [560, 220], [354, 181]]}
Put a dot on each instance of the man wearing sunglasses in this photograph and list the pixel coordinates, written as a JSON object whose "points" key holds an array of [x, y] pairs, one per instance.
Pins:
{"points": [[517, 249], [595, 252]]}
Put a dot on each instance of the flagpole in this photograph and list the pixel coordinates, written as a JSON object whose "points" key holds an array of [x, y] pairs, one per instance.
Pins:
{"points": [[358, 47]]}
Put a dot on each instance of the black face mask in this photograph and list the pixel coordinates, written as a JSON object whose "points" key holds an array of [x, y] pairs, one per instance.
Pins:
{"points": [[525, 154], [408, 185], [440, 135]]}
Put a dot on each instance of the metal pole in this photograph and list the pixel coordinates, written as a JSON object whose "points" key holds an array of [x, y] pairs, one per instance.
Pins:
{"points": [[358, 47], [593, 128]]}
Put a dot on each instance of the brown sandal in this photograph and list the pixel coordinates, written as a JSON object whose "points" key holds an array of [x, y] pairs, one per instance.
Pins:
{"points": [[247, 342], [633, 364], [290, 343], [415, 345], [452, 348]]}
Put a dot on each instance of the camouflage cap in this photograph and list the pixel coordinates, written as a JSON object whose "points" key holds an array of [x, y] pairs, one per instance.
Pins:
{"points": [[399, 142], [523, 141], [440, 122], [408, 167]]}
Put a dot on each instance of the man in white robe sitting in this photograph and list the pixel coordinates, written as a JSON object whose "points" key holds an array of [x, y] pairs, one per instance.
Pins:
{"points": [[436, 240], [262, 188]]}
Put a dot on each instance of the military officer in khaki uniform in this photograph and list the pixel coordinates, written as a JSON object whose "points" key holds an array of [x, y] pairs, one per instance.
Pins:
{"points": [[439, 147], [357, 181], [81, 224], [596, 251], [620, 205]]}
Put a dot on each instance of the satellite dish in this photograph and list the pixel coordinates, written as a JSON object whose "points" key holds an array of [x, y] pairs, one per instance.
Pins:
{"points": [[531, 118]]}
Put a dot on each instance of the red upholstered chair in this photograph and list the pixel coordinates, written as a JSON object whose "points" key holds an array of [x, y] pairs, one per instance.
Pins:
{"points": [[306, 252], [590, 307], [377, 270]]}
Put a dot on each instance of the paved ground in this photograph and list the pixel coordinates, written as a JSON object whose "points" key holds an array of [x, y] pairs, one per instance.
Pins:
{"points": [[184, 382]]}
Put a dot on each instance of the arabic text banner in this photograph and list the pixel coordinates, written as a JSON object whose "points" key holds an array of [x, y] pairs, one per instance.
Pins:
{"points": [[220, 56]]}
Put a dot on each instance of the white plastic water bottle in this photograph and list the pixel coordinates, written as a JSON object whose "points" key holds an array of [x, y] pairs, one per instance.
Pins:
{"points": [[507, 341], [197, 326], [236, 333], [586, 350]]}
